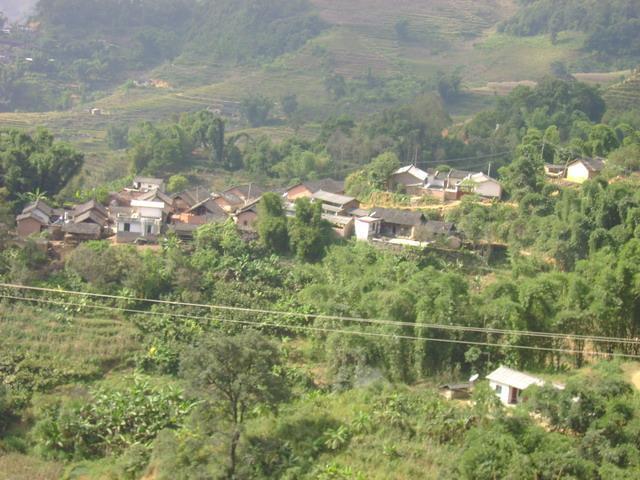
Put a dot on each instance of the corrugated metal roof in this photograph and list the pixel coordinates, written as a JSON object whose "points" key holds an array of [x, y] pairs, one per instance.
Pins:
{"points": [[513, 378]]}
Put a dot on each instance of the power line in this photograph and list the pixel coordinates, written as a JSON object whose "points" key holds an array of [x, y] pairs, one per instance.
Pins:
{"points": [[452, 327], [328, 330]]}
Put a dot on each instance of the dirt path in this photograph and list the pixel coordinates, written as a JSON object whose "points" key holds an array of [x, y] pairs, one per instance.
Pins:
{"points": [[635, 379]]}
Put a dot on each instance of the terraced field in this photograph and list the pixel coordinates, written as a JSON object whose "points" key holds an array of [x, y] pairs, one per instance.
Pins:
{"points": [[621, 96], [443, 35]]}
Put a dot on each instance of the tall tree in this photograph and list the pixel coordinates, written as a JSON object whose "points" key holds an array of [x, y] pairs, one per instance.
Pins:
{"points": [[272, 223], [239, 374], [309, 233]]}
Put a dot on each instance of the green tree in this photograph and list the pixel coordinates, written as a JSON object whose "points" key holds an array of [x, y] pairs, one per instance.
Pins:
{"points": [[256, 109], [177, 183], [118, 136], [290, 105], [272, 223], [238, 374], [30, 163], [402, 30], [308, 232]]}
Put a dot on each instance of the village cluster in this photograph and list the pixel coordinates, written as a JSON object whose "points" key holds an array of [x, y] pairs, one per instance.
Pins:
{"points": [[144, 212]]}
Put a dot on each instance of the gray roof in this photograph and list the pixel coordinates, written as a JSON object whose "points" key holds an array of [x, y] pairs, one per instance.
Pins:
{"points": [[36, 215], [328, 197], [155, 193], [39, 205], [90, 205], [248, 192], [513, 378], [211, 208], [338, 220], [189, 197], [326, 184], [593, 164], [398, 217], [90, 216]]}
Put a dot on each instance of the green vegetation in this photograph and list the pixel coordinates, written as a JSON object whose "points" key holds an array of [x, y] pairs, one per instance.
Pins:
{"points": [[35, 164], [612, 26]]}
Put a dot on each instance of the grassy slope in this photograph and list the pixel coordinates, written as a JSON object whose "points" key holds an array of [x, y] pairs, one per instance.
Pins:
{"points": [[623, 95], [444, 35]]}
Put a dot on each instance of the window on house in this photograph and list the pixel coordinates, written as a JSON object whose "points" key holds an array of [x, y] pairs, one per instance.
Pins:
{"points": [[498, 389], [245, 223], [149, 229], [127, 227]]}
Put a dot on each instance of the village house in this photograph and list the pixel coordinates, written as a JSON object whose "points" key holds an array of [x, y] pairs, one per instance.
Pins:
{"points": [[35, 218], [367, 228], [583, 169], [307, 189], [148, 184], [452, 185], [143, 222], [208, 208], [335, 204], [184, 201], [409, 179], [397, 223], [228, 202], [90, 212], [509, 384], [342, 225], [81, 232], [246, 217], [246, 193], [554, 171]]}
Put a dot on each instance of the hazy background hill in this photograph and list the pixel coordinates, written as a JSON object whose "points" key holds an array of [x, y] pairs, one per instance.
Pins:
{"points": [[16, 9], [149, 60]]}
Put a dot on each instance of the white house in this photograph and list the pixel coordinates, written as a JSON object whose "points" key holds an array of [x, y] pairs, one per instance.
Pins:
{"points": [[583, 169], [509, 384], [485, 186], [144, 220], [146, 184], [410, 178], [367, 228]]}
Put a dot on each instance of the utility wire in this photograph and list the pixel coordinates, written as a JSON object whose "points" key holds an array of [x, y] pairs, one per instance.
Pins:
{"points": [[453, 327], [326, 330]]}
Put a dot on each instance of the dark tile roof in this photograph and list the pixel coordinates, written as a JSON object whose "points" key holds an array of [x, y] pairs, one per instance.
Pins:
{"points": [[327, 184], [246, 192], [40, 205], [88, 206], [593, 164], [189, 197], [90, 216], [398, 217], [211, 208]]}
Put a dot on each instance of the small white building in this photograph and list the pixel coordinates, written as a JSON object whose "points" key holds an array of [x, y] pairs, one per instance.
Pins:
{"points": [[583, 169], [146, 184], [143, 221], [509, 384], [485, 186], [367, 228], [411, 178]]}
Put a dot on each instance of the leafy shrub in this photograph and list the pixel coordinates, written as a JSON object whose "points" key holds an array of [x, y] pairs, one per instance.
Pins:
{"points": [[111, 421]]}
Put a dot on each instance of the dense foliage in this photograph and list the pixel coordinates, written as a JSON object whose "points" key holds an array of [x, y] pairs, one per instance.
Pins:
{"points": [[612, 27], [35, 163]]}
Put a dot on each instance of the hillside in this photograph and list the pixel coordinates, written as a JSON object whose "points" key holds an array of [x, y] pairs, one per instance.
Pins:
{"points": [[624, 94], [387, 53]]}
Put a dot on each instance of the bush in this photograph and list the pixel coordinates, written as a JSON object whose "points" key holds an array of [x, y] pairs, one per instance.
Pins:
{"points": [[111, 421]]}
